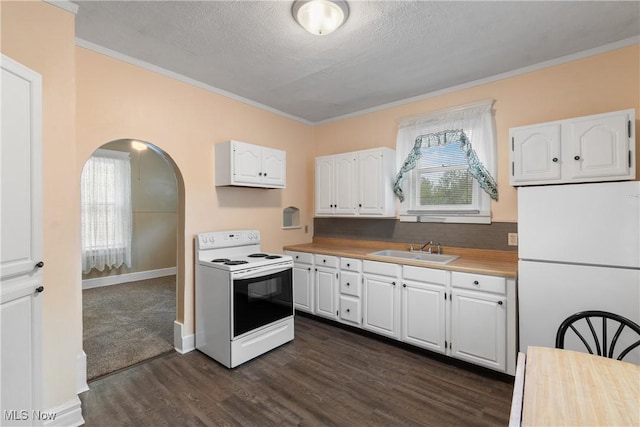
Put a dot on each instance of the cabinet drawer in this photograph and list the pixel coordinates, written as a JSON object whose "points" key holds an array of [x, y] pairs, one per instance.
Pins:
{"points": [[350, 309], [350, 264], [381, 268], [421, 274], [326, 260], [479, 282], [350, 283], [303, 257]]}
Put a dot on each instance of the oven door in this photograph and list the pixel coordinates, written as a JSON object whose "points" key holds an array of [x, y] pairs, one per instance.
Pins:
{"points": [[261, 297]]}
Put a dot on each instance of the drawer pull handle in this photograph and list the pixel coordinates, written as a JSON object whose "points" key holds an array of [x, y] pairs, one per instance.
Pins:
{"points": [[499, 302], [348, 265], [475, 282]]}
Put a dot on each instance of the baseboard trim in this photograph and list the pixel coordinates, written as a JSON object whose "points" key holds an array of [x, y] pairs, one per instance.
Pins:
{"points": [[66, 415], [81, 373], [128, 277], [183, 344]]}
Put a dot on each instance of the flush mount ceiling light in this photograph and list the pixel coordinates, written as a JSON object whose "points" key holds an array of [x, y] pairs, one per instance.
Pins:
{"points": [[320, 17]]}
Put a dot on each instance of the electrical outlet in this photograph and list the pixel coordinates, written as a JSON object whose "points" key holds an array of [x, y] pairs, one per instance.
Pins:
{"points": [[512, 239]]}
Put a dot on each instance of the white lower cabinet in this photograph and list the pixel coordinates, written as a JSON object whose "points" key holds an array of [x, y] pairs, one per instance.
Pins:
{"points": [[479, 320], [468, 316], [326, 281], [303, 273], [424, 308], [350, 290], [381, 298]]}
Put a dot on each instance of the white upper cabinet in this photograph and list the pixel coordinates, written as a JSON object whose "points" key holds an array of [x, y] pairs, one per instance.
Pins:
{"points": [[357, 183], [248, 165], [585, 149], [335, 184]]}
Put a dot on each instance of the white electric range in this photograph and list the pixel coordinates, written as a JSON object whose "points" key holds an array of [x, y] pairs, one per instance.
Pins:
{"points": [[244, 297]]}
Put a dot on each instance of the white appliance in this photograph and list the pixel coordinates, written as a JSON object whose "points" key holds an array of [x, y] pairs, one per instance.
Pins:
{"points": [[579, 249], [244, 297]]}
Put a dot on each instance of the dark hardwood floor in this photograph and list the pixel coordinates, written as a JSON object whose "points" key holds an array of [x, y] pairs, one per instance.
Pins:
{"points": [[327, 376]]}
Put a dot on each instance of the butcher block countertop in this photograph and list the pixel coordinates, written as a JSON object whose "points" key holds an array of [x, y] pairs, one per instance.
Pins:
{"points": [[481, 261], [567, 388]]}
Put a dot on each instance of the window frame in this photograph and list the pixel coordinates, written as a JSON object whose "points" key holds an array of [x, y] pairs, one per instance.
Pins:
{"points": [[479, 211]]}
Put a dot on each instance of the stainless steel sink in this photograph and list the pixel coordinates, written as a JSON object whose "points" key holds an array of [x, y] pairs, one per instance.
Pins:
{"points": [[416, 256]]}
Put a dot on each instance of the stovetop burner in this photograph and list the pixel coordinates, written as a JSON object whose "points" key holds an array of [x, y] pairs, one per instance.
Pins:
{"points": [[258, 255], [236, 262], [273, 256], [221, 260]]}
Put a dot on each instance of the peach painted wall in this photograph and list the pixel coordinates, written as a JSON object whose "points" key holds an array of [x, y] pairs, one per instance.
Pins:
{"points": [[116, 100], [42, 37], [597, 84]]}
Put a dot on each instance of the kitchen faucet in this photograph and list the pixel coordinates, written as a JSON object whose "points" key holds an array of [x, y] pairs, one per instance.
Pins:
{"points": [[429, 243]]}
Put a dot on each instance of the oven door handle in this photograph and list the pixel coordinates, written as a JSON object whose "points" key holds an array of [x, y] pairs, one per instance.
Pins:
{"points": [[260, 272]]}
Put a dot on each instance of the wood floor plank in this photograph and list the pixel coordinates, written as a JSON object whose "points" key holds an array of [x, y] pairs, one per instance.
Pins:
{"points": [[327, 376]]}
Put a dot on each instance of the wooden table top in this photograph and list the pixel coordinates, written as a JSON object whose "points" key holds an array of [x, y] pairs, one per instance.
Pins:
{"points": [[568, 388]]}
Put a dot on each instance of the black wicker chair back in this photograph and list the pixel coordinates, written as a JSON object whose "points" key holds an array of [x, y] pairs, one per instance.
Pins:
{"points": [[604, 347]]}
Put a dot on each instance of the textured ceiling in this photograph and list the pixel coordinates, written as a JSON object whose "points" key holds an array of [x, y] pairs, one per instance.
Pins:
{"points": [[387, 51]]}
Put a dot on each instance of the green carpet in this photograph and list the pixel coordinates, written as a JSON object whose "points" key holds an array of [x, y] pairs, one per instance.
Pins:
{"points": [[128, 323]]}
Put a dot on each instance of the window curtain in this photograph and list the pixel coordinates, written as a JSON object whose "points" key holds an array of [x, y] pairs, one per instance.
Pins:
{"points": [[106, 211], [471, 125]]}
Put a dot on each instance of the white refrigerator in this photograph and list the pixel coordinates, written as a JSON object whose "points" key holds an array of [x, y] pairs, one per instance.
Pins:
{"points": [[578, 249]]}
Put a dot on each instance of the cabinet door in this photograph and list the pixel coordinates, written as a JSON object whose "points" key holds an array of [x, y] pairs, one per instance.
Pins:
{"points": [[381, 308], [303, 287], [325, 282], [600, 146], [345, 184], [370, 183], [21, 239], [324, 185], [247, 160], [423, 315], [536, 154], [274, 167], [478, 328]]}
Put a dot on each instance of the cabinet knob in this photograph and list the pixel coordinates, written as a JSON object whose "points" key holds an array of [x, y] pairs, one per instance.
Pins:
{"points": [[309, 268], [404, 285], [393, 283], [324, 260], [259, 173], [499, 302], [348, 284], [40, 289], [297, 256], [554, 160], [359, 205], [265, 174], [348, 310], [577, 157], [475, 282], [348, 265], [39, 265]]}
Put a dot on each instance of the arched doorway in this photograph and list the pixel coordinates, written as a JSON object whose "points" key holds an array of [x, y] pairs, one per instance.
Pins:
{"points": [[129, 308]]}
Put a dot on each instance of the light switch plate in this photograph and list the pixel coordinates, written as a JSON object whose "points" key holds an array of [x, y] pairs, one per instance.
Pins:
{"points": [[512, 239]]}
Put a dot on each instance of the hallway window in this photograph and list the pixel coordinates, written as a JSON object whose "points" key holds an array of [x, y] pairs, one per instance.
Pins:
{"points": [[106, 211]]}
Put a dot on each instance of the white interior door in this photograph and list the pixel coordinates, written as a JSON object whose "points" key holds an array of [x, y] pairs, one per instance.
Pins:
{"points": [[21, 246]]}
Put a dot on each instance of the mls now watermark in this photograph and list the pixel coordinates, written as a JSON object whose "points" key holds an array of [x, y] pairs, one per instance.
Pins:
{"points": [[24, 415]]}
